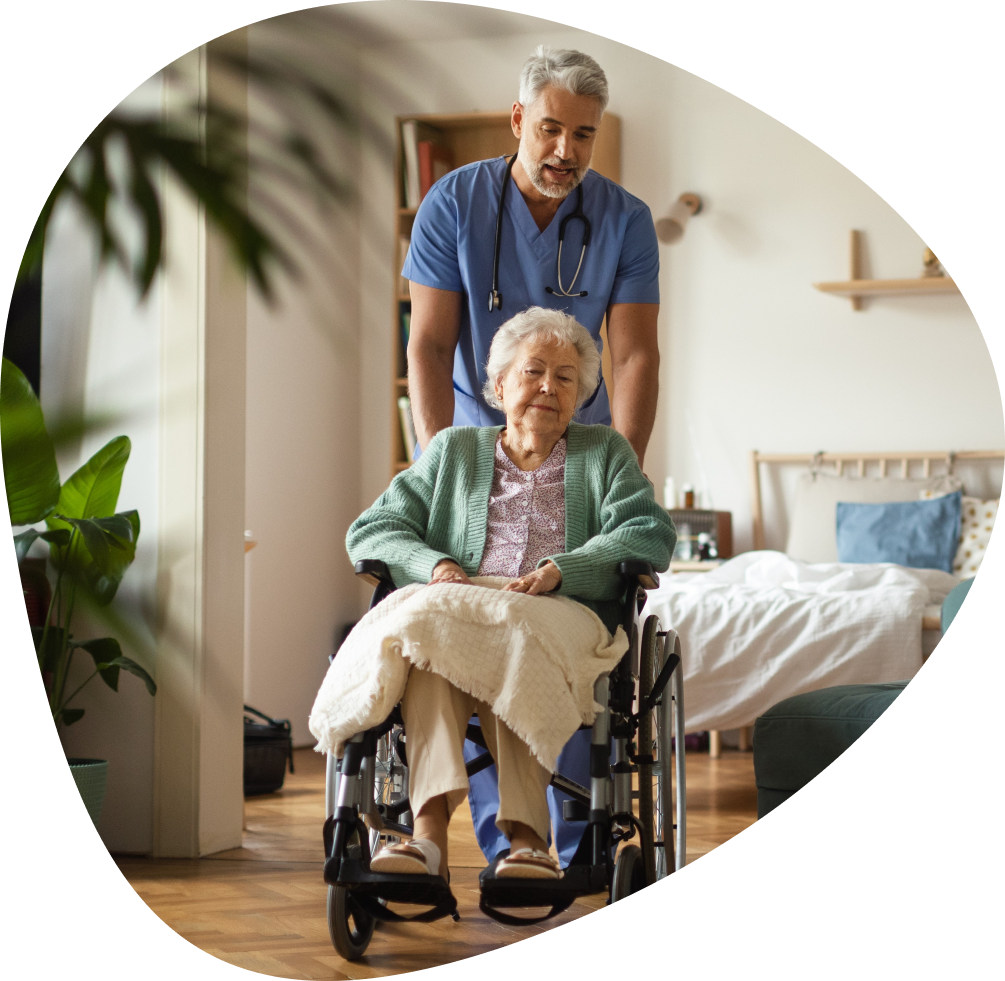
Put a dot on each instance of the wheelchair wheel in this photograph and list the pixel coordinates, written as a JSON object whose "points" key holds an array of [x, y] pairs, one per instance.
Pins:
{"points": [[349, 927], [651, 806], [629, 873]]}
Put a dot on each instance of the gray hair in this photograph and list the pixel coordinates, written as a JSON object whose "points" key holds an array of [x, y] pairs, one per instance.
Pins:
{"points": [[539, 323], [573, 71]]}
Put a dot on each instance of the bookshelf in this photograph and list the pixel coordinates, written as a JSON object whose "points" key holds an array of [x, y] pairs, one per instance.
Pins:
{"points": [[466, 137]]}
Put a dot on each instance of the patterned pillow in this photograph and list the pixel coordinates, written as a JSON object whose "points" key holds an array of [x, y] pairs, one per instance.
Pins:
{"points": [[977, 518]]}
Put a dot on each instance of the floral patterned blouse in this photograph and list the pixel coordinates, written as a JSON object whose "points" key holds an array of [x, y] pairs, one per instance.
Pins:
{"points": [[526, 514]]}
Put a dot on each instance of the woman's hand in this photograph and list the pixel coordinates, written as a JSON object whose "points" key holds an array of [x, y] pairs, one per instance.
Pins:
{"points": [[543, 580], [447, 570]]}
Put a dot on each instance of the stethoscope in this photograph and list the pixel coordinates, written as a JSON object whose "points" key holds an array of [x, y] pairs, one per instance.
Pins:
{"points": [[495, 297]]}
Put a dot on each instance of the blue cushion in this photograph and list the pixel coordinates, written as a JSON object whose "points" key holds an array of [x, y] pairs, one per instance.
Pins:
{"points": [[917, 534]]}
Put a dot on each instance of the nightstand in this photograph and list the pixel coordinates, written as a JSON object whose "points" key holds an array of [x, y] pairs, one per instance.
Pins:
{"points": [[694, 565]]}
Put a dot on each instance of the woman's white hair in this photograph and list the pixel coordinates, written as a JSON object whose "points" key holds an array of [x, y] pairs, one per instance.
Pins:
{"points": [[539, 323], [573, 71]]}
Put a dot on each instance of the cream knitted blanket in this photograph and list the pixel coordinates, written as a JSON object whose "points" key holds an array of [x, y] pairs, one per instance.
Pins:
{"points": [[534, 659]]}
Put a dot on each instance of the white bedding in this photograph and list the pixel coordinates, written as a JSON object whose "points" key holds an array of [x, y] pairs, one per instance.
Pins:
{"points": [[763, 627]]}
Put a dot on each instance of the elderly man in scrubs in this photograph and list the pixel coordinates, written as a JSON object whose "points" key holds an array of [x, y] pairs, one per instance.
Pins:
{"points": [[464, 287]]}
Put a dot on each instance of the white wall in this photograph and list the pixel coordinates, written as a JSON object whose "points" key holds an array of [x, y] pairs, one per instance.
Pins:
{"points": [[755, 355], [762, 360], [302, 411]]}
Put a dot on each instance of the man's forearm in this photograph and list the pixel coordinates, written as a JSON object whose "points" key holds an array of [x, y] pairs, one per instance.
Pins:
{"points": [[632, 332], [431, 391], [436, 321], [633, 404]]}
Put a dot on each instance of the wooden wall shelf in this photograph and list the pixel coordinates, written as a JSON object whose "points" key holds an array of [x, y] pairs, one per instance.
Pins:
{"points": [[889, 287], [856, 288]]}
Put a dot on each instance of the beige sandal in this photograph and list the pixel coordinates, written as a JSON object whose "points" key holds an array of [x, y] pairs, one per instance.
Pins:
{"points": [[402, 857], [528, 863]]}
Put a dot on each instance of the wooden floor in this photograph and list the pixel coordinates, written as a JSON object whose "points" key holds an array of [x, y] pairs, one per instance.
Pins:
{"points": [[262, 906]]}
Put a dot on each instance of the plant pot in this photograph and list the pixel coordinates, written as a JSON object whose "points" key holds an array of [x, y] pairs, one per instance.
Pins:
{"points": [[90, 776]]}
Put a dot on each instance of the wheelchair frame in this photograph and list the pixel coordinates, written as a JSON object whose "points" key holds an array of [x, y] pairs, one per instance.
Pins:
{"points": [[366, 795]]}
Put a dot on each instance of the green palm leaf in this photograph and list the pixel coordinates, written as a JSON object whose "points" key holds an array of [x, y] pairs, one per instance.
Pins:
{"points": [[105, 549], [93, 490], [29, 460]]}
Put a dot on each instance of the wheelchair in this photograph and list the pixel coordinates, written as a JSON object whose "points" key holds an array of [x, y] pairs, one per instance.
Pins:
{"points": [[366, 795]]}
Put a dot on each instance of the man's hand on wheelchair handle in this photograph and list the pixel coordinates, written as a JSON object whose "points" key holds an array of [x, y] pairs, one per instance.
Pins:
{"points": [[449, 571], [542, 580]]}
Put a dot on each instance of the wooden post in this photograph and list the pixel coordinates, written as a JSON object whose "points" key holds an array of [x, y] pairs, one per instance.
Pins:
{"points": [[714, 744], [855, 248], [756, 517]]}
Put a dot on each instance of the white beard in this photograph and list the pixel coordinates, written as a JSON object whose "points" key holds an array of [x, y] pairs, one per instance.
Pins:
{"points": [[548, 189]]}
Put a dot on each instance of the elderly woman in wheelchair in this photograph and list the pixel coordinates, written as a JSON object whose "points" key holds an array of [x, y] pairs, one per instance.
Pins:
{"points": [[554, 507]]}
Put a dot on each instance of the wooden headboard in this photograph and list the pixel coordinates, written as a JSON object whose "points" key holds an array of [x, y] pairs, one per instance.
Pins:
{"points": [[944, 460]]}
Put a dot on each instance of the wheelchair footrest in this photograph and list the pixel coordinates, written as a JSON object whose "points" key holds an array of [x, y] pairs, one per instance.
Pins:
{"points": [[498, 893], [367, 889]]}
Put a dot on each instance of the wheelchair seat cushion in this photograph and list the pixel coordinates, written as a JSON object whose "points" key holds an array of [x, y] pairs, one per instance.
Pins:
{"points": [[534, 659]]}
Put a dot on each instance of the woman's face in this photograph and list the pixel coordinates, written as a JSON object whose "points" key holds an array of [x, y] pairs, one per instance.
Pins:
{"points": [[538, 391]]}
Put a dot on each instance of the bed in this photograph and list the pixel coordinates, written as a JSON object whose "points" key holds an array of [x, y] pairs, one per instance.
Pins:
{"points": [[788, 617]]}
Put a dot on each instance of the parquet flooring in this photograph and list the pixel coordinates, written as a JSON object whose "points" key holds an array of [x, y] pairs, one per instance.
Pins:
{"points": [[262, 906]]}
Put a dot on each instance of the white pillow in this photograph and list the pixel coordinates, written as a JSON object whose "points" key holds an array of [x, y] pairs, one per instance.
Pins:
{"points": [[977, 518], [813, 531]]}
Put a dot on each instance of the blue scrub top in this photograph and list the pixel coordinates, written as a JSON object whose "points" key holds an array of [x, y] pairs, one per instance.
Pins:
{"points": [[451, 249]]}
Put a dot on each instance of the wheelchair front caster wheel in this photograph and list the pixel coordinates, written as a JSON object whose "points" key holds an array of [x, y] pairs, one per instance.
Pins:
{"points": [[349, 927], [629, 873]]}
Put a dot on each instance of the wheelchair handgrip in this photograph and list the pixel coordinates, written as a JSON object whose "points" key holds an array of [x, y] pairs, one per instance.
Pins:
{"points": [[374, 571], [641, 571]]}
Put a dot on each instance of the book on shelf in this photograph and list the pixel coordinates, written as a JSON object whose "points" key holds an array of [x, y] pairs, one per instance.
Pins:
{"points": [[434, 162], [406, 327], [403, 243], [410, 151], [424, 160], [407, 426]]}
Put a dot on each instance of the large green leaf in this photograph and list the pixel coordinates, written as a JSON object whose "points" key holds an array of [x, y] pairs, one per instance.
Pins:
{"points": [[108, 660], [24, 541], [104, 550], [105, 651], [29, 460], [93, 491], [128, 664]]}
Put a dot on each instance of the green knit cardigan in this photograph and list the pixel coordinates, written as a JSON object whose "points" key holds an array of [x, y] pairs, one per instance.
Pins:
{"points": [[438, 509]]}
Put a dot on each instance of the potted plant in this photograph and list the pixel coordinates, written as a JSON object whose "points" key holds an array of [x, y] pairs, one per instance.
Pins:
{"points": [[90, 548]]}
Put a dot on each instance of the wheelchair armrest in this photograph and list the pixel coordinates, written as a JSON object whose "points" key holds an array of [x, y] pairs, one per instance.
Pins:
{"points": [[640, 571], [374, 572]]}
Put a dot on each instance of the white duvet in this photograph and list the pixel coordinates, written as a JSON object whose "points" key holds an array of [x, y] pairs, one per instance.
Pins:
{"points": [[763, 627]]}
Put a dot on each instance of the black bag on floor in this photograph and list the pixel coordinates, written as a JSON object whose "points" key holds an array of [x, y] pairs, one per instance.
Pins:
{"points": [[268, 746]]}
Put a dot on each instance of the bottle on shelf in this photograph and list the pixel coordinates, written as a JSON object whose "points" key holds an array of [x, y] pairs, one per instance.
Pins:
{"points": [[669, 494], [682, 552], [688, 491]]}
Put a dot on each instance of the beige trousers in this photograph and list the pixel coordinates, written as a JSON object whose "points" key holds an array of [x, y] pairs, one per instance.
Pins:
{"points": [[436, 716]]}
